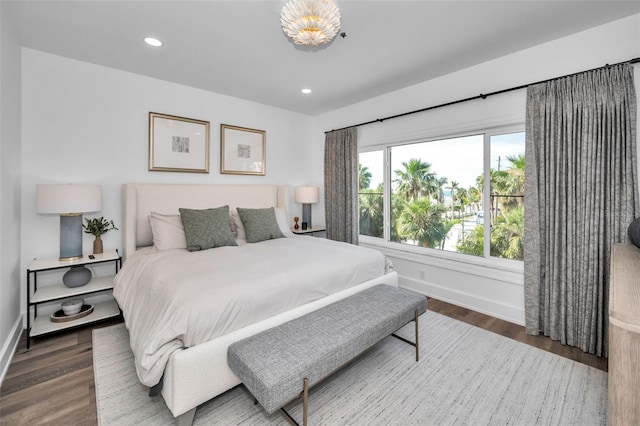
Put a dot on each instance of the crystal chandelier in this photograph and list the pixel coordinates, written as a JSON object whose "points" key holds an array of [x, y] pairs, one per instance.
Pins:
{"points": [[310, 22]]}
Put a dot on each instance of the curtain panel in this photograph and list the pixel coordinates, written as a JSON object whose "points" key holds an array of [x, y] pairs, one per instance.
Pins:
{"points": [[341, 185], [581, 190]]}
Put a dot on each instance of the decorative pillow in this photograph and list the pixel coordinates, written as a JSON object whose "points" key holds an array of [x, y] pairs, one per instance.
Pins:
{"points": [[260, 224], [634, 232], [208, 228], [168, 232]]}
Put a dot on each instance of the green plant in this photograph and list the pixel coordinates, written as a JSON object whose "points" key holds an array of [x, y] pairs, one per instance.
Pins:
{"points": [[98, 226]]}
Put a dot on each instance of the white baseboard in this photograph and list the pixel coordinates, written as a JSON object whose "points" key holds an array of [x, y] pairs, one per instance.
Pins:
{"points": [[9, 347], [474, 302]]}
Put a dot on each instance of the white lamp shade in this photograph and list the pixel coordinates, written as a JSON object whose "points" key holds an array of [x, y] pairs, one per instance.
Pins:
{"points": [[68, 198], [307, 194]]}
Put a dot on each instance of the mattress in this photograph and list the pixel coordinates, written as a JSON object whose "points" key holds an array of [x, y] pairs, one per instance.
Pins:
{"points": [[176, 299]]}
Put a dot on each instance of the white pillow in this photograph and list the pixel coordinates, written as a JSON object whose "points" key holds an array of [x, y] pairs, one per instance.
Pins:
{"points": [[283, 223], [168, 231], [240, 234]]}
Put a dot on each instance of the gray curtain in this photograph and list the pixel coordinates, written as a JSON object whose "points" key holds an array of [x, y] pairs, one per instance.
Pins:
{"points": [[341, 185], [581, 195]]}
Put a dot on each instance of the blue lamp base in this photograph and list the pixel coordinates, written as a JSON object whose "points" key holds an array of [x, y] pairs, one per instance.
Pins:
{"points": [[70, 237], [306, 215]]}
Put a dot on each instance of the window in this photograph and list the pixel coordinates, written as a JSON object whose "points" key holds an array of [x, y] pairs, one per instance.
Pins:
{"points": [[371, 193], [437, 196], [506, 206]]}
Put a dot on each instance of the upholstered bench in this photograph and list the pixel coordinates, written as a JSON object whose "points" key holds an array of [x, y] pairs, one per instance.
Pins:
{"points": [[280, 364]]}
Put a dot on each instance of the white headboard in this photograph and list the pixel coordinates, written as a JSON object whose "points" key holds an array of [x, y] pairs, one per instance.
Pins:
{"points": [[140, 199]]}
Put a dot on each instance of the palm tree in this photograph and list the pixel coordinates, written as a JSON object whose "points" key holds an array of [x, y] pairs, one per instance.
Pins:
{"points": [[440, 183], [514, 181], [421, 221], [509, 182], [397, 207], [507, 235], [371, 211], [364, 177], [462, 199], [416, 180], [454, 187], [475, 197], [474, 242]]}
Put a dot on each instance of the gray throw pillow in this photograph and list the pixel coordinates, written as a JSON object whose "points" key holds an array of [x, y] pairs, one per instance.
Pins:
{"points": [[260, 224], [208, 228]]}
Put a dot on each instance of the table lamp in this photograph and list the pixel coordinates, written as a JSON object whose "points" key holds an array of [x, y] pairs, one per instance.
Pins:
{"points": [[70, 201], [307, 195]]}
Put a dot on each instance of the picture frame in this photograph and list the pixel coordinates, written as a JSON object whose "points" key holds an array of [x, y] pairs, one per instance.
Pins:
{"points": [[178, 144], [242, 150]]}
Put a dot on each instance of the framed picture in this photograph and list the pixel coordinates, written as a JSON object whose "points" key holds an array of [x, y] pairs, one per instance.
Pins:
{"points": [[242, 150], [178, 144]]}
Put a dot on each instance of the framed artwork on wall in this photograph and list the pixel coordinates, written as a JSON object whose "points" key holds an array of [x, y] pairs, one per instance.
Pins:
{"points": [[242, 150], [178, 144]]}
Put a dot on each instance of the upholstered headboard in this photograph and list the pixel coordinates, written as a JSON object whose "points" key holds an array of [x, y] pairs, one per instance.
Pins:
{"points": [[140, 199]]}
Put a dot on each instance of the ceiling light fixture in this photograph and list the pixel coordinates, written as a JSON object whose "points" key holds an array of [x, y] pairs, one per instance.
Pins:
{"points": [[306, 91], [153, 41], [310, 22]]}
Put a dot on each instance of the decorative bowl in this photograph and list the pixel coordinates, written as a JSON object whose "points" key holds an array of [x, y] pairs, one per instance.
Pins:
{"points": [[72, 306]]}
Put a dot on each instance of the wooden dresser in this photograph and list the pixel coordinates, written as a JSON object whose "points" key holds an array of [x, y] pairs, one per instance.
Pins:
{"points": [[624, 336]]}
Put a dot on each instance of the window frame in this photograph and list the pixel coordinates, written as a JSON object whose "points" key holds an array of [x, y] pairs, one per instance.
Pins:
{"points": [[385, 242]]}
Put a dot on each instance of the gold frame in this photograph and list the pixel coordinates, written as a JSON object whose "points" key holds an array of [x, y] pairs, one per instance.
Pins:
{"points": [[230, 137], [164, 165]]}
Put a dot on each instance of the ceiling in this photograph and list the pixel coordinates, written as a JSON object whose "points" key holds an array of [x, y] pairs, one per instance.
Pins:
{"points": [[237, 48]]}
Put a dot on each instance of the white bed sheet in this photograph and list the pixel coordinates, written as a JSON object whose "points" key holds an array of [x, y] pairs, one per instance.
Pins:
{"points": [[175, 298]]}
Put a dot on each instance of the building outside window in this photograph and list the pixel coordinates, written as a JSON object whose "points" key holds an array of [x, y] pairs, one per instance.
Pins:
{"points": [[462, 195]]}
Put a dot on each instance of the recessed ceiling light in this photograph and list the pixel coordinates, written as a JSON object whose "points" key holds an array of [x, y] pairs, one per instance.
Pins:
{"points": [[306, 91], [153, 41]]}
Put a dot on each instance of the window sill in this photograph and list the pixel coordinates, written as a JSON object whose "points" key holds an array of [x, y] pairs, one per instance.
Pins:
{"points": [[511, 271]]}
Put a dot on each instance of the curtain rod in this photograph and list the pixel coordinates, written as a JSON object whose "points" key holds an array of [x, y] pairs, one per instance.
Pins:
{"points": [[480, 96]]}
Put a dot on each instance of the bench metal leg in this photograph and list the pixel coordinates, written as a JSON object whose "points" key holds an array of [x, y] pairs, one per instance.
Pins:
{"points": [[305, 401], [416, 344], [305, 406]]}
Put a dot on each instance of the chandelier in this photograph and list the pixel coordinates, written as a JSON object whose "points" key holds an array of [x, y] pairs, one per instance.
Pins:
{"points": [[310, 22]]}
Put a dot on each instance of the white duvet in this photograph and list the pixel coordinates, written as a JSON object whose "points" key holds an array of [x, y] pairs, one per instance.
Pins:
{"points": [[175, 299]]}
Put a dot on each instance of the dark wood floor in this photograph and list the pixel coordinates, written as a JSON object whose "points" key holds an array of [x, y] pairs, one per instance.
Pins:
{"points": [[52, 382]]}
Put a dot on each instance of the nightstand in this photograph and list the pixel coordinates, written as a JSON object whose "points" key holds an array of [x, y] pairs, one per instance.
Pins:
{"points": [[43, 325], [309, 231]]}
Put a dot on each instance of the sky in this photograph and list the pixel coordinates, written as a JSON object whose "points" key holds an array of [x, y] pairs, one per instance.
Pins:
{"points": [[458, 159]]}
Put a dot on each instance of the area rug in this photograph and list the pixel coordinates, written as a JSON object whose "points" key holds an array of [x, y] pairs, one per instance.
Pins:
{"points": [[465, 376]]}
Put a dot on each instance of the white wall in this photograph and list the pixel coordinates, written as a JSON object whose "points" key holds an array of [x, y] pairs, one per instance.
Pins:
{"points": [[84, 123], [498, 292], [10, 177]]}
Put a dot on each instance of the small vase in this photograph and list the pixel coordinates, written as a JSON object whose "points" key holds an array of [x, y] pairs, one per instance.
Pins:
{"points": [[97, 245], [77, 276]]}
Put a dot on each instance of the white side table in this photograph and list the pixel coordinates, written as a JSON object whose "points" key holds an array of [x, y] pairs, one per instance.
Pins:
{"points": [[42, 324]]}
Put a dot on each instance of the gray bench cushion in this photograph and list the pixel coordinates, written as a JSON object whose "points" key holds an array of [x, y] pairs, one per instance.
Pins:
{"points": [[273, 364]]}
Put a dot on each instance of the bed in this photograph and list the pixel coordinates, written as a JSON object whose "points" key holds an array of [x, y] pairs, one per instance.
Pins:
{"points": [[192, 369]]}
